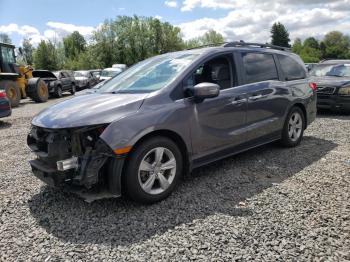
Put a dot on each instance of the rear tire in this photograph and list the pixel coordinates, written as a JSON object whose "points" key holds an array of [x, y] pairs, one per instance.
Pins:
{"points": [[12, 90], [294, 127], [39, 91], [58, 92], [153, 170]]}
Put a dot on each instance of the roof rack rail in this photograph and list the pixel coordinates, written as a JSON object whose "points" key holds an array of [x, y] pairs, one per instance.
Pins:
{"points": [[242, 43], [207, 45]]}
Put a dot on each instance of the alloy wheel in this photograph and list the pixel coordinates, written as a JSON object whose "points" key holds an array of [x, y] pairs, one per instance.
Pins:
{"points": [[157, 170], [295, 126]]}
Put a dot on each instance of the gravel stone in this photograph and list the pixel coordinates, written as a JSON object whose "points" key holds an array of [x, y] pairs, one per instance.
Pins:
{"points": [[270, 203]]}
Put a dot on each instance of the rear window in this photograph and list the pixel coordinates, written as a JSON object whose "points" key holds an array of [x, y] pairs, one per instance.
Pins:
{"points": [[259, 67], [292, 69]]}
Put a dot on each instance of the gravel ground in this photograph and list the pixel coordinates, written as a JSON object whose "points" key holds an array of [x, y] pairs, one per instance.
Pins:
{"points": [[266, 204]]}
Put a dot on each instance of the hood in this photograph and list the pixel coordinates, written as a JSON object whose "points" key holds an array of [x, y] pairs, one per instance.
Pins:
{"points": [[43, 74], [331, 80], [81, 78], [105, 77], [90, 109]]}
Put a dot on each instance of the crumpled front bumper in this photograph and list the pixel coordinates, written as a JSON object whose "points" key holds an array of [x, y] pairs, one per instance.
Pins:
{"points": [[91, 173]]}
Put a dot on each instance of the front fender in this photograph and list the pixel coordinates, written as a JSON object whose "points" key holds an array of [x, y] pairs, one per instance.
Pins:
{"points": [[127, 131]]}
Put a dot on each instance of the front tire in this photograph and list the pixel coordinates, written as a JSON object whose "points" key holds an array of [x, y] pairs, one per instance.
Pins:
{"points": [[73, 90], [293, 129], [153, 170]]}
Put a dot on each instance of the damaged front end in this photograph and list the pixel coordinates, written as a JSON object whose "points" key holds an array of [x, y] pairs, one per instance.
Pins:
{"points": [[74, 158]]}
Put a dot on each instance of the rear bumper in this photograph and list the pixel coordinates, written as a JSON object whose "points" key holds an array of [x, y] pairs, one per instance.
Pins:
{"points": [[333, 102]]}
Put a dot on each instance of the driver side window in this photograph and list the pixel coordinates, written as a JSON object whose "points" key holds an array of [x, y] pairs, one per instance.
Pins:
{"points": [[217, 70]]}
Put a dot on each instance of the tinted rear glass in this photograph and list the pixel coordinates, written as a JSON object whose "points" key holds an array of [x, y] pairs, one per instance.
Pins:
{"points": [[259, 67], [292, 69]]}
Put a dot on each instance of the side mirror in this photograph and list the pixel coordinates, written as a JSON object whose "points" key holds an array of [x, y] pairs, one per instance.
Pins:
{"points": [[205, 90]]}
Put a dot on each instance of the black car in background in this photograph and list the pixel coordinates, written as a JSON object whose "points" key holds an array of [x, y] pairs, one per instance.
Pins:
{"points": [[333, 85], [5, 108], [57, 82]]}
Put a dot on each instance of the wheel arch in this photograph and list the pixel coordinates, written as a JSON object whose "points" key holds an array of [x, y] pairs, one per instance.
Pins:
{"points": [[117, 180], [172, 135]]}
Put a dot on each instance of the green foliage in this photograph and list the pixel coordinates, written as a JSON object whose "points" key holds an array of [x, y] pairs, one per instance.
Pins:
{"points": [[210, 37], [311, 42], [297, 46], [74, 44], [128, 40], [336, 45], [4, 38], [310, 55], [309, 51], [279, 35], [45, 56], [27, 49]]}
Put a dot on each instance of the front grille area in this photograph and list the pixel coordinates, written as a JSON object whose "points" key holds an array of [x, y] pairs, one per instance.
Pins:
{"points": [[326, 90], [49, 145]]}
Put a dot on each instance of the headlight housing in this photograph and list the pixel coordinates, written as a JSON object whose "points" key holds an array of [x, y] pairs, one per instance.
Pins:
{"points": [[344, 91]]}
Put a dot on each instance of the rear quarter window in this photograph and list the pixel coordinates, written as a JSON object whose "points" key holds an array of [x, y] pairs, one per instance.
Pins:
{"points": [[292, 70], [259, 67]]}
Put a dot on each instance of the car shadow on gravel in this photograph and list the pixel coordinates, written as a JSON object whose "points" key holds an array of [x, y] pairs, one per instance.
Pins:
{"points": [[4, 124], [224, 187]]}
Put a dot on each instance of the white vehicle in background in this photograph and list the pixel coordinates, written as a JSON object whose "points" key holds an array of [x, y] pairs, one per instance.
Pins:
{"points": [[84, 79], [108, 73], [121, 66]]}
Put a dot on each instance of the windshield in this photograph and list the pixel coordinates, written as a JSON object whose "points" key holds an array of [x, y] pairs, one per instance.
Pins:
{"points": [[331, 70], [79, 74], [110, 73], [57, 74], [149, 75]]}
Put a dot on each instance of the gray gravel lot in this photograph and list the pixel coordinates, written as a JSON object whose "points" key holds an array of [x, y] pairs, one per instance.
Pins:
{"points": [[266, 204]]}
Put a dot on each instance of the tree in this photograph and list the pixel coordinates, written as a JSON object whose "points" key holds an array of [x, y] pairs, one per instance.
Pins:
{"points": [[336, 45], [210, 37], [27, 49], [4, 38], [310, 55], [129, 40], [45, 56], [74, 44], [297, 46], [279, 35], [312, 43]]}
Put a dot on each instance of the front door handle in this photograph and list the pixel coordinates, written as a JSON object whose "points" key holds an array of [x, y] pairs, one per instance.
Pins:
{"points": [[238, 101], [256, 97]]}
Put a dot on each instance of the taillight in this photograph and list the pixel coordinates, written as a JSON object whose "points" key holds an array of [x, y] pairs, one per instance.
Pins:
{"points": [[2, 93], [313, 86]]}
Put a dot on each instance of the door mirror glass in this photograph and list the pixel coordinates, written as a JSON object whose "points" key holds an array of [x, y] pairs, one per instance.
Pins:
{"points": [[205, 90]]}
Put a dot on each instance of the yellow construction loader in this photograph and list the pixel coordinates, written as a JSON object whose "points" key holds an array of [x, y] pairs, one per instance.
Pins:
{"points": [[18, 81]]}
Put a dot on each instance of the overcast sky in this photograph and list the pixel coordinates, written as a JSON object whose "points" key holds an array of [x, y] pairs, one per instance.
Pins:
{"points": [[248, 20]]}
